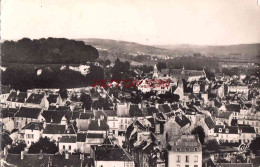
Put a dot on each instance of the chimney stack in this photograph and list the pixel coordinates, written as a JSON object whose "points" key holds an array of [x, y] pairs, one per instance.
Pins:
{"points": [[22, 155], [98, 122]]}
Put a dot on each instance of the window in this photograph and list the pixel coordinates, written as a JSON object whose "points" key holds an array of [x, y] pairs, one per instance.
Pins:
{"points": [[178, 149], [125, 126], [220, 130], [69, 147], [178, 158], [126, 121], [187, 149], [196, 158], [114, 124], [122, 120], [197, 166], [187, 159], [63, 147], [186, 165], [195, 149]]}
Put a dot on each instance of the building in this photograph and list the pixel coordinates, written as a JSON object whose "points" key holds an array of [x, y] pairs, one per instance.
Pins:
{"points": [[185, 151], [111, 156], [68, 144], [224, 133], [31, 133], [37, 101], [16, 99]]}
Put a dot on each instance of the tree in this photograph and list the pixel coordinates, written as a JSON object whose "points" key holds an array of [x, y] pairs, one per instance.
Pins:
{"points": [[44, 145], [17, 148], [212, 145], [161, 65], [255, 144], [200, 132], [86, 99]]}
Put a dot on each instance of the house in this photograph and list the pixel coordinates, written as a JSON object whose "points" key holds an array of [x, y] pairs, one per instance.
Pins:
{"points": [[16, 99], [209, 128], [54, 116], [224, 118], [184, 151], [26, 115], [68, 144], [55, 99], [31, 133], [111, 156], [7, 118], [112, 121], [224, 133], [81, 142], [54, 131], [247, 134], [37, 101]]}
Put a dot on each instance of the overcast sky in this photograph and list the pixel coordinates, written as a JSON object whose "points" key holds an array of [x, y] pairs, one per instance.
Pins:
{"points": [[154, 22]]}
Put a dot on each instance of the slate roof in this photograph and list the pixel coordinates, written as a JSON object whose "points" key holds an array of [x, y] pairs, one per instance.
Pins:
{"points": [[233, 107], [8, 112], [86, 115], [165, 108], [54, 129], [95, 135], [68, 139], [60, 108], [15, 97], [53, 116], [57, 160], [231, 129], [235, 164], [95, 127], [110, 113], [25, 112], [182, 122], [135, 111], [225, 114], [247, 129], [149, 111], [34, 126], [52, 98], [35, 98], [81, 137], [104, 153], [209, 122]]}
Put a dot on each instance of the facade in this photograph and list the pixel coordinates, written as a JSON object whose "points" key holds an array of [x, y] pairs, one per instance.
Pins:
{"points": [[185, 151]]}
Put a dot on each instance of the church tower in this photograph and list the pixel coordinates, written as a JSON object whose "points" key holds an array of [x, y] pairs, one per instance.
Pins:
{"points": [[155, 72]]}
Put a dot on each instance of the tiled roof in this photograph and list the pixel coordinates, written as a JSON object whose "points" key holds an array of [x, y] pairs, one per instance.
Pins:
{"points": [[86, 115], [53, 116], [104, 153], [68, 139], [54, 129], [35, 98], [25, 112], [60, 108], [209, 122]]}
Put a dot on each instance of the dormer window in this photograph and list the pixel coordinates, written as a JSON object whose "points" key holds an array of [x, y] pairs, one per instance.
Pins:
{"points": [[220, 129], [227, 130]]}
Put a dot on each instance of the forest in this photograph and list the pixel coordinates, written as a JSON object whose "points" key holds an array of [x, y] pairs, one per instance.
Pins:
{"points": [[48, 51]]}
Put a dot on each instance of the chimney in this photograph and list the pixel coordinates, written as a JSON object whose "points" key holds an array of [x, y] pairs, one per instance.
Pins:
{"points": [[40, 155], [22, 155], [98, 122], [67, 155]]}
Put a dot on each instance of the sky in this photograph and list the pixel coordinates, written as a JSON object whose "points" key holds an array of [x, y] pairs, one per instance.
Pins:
{"points": [[152, 22]]}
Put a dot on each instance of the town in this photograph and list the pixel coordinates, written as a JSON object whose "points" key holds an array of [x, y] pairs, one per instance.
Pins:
{"points": [[193, 121]]}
